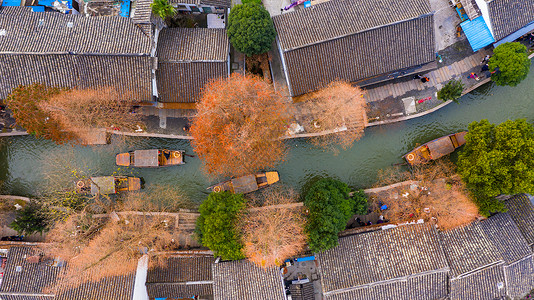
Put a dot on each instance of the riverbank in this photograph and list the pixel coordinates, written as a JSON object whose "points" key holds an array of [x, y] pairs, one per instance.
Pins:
{"points": [[387, 102]]}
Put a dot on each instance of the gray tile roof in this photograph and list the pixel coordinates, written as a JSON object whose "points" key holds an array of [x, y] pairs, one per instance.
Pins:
{"points": [[169, 280], [521, 210], [519, 277], [423, 287], [128, 74], [468, 249], [380, 256], [109, 288], [143, 15], [508, 16], [506, 237], [183, 82], [303, 291], [341, 18], [243, 280], [15, 10], [43, 32], [487, 283], [33, 278], [193, 45], [351, 46]]}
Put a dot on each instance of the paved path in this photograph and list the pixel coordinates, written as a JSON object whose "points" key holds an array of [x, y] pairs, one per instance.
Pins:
{"points": [[437, 77]]}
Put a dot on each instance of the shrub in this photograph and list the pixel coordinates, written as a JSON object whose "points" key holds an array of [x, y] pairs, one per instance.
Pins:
{"points": [[250, 29], [510, 62], [30, 219], [163, 9], [216, 225], [451, 91], [329, 208]]}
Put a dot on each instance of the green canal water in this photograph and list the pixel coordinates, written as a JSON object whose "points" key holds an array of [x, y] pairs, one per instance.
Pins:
{"points": [[25, 160]]}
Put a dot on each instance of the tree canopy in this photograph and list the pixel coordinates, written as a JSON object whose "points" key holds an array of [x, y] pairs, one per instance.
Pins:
{"points": [[25, 103], [238, 126], [451, 91], [216, 225], [250, 28], [339, 108], [64, 115], [329, 209], [163, 9], [497, 159], [511, 63], [274, 232], [31, 219]]}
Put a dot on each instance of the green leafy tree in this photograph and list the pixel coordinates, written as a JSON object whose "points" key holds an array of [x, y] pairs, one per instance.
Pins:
{"points": [[451, 91], [510, 62], [497, 160], [329, 209], [163, 9], [251, 29], [31, 219], [216, 226]]}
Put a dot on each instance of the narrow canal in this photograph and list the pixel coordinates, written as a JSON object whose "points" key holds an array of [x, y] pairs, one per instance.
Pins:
{"points": [[24, 161]]}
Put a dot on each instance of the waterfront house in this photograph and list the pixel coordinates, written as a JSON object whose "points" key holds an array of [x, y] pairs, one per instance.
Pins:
{"points": [[495, 21], [358, 41], [243, 280], [188, 58], [521, 210], [180, 276], [27, 274], [488, 260], [30, 275], [406, 262], [503, 232], [74, 51]]}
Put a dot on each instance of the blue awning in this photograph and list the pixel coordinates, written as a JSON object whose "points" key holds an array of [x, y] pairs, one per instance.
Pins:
{"points": [[477, 33]]}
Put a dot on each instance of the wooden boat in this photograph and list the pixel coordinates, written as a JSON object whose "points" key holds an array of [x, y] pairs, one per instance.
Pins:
{"points": [[436, 148], [106, 185], [247, 183], [152, 158]]}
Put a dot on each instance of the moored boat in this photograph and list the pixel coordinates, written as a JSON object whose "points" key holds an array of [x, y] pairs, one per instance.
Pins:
{"points": [[106, 185], [152, 158], [436, 148], [248, 183]]}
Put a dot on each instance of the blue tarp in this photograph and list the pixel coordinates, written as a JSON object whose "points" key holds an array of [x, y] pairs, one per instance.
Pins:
{"points": [[37, 8], [477, 33], [11, 3], [125, 8], [307, 258]]}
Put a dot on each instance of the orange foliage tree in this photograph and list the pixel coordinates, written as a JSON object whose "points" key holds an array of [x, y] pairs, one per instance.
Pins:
{"points": [[339, 108], [273, 232], [238, 125], [25, 102], [100, 247], [64, 115]]}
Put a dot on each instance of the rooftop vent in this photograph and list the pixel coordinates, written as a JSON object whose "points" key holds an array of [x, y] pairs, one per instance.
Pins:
{"points": [[41, 22], [70, 24], [18, 269], [3, 32]]}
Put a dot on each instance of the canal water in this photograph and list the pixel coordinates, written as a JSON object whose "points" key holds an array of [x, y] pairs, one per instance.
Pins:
{"points": [[26, 161]]}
